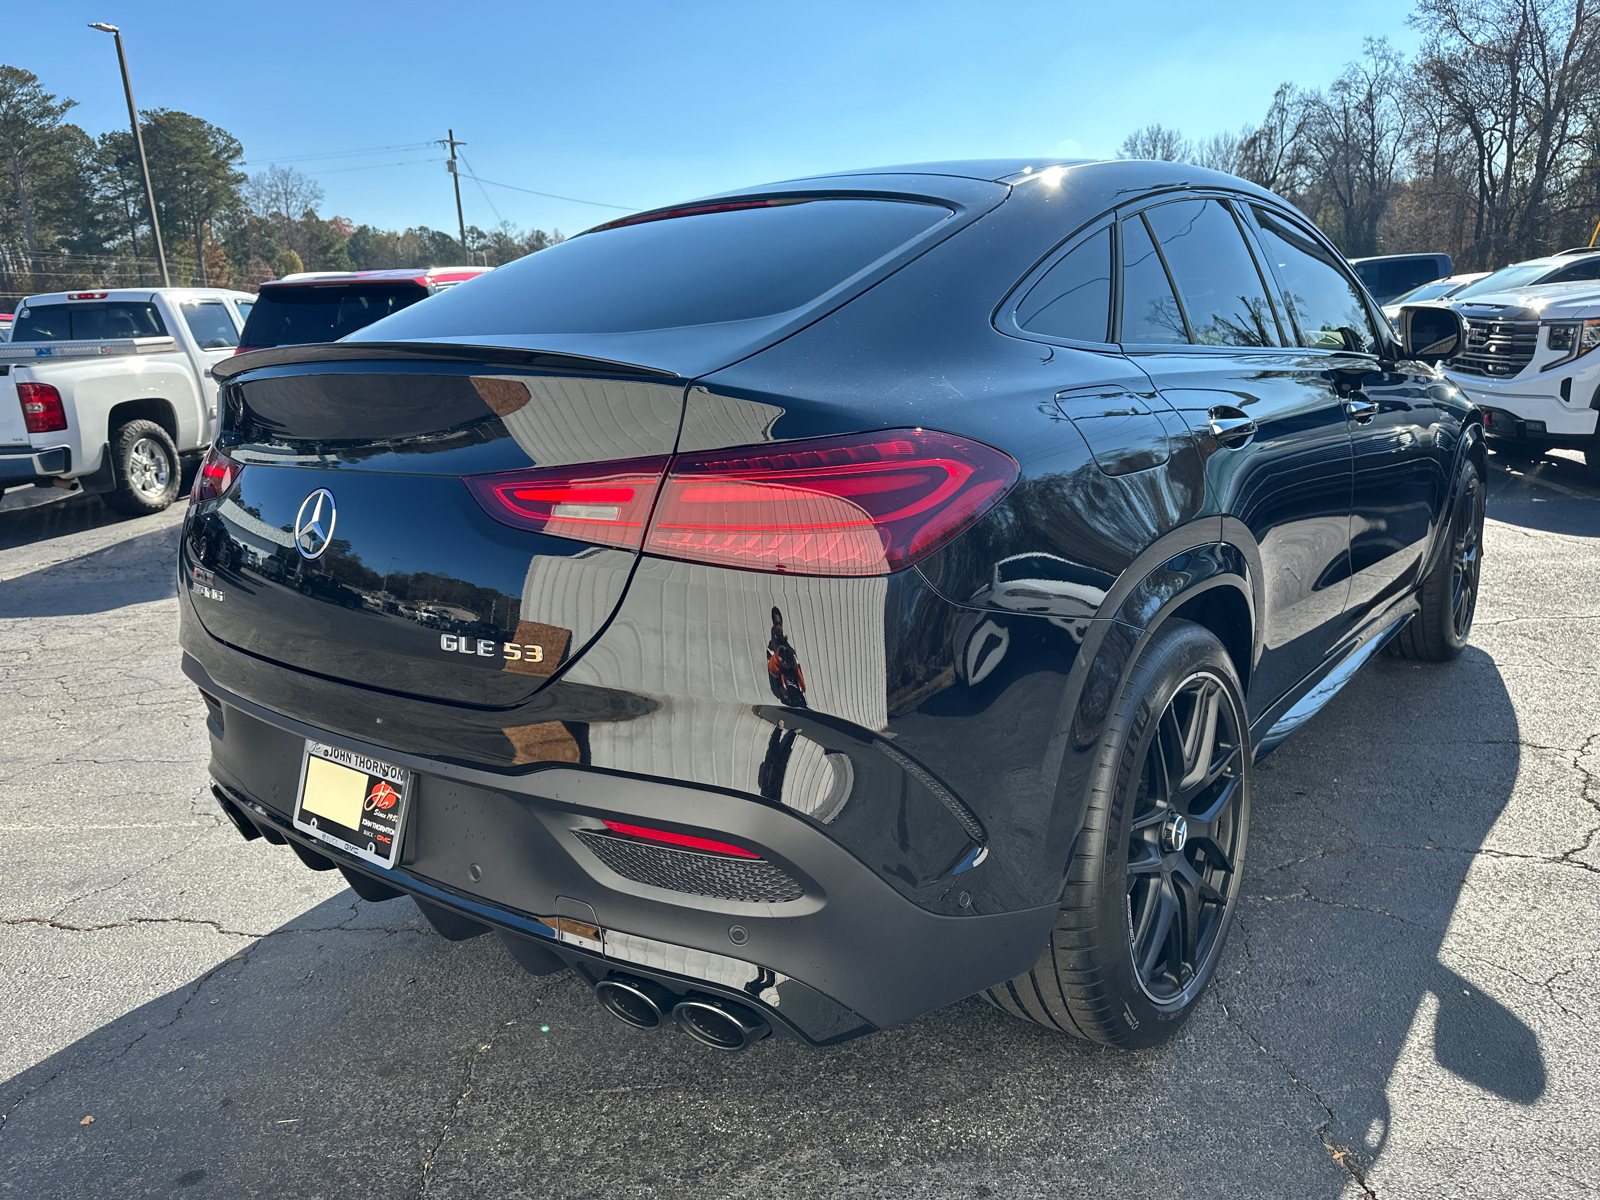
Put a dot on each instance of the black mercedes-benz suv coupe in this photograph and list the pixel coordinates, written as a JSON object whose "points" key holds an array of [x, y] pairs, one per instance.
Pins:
{"points": [[806, 607]]}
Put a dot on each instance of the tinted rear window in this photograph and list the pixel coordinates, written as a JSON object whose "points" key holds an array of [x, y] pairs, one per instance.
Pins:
{"points": [[88, 322], [293, 316], [690, 270]]}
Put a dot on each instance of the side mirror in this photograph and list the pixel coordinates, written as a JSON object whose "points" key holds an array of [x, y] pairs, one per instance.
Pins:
{"points": [[1432, 334]]}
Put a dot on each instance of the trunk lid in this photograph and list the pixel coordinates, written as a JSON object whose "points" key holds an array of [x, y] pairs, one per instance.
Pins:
{"points": [[348, 546]]}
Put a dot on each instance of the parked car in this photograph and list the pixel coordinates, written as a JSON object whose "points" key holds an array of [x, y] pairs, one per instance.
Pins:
{"points": [[1579, 265], [323, 306], [728, 483], [1439, 289], [106, 389], [1528, 364], [1390, 275]]}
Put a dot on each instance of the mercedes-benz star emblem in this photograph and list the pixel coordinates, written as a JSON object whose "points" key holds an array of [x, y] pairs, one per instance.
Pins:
{"points": [[313, 524], [1175, 833]]}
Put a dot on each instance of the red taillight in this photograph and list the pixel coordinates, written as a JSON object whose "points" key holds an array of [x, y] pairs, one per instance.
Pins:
{"points": [[214, 478], [861, 505], [42, 410], [245, 349], [87, 295], [680, 839], [604, 503], [866, 504]]}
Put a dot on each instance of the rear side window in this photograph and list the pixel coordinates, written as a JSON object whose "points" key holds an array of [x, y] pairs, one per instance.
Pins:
{"points": [[1073, 299], [294, 316], [695, 269], [1324, 304], [88, 322], [1222, 292], [1150, 314], [210, 323], [1588, 268]]}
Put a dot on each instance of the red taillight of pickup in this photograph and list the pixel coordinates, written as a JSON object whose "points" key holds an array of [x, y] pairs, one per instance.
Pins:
{"points": [[42, 410], [864, 504], [214, 478]]}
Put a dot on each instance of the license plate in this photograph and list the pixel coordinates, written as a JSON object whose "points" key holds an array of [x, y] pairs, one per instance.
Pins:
{"points": [[353, 802]]}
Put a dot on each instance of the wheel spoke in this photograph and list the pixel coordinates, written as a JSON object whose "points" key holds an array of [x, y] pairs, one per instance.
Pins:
{"points": [[1217, 805], [1216, 856], [1165, 903], [1147, 863], [1187, 923], [1201, 735]]}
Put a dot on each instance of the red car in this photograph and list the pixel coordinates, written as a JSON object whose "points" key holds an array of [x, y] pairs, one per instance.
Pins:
{"points": [[324, 306]]}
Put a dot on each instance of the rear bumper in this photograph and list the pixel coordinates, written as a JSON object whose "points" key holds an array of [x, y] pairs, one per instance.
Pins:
{"points": [[23, 464], [838, 954]]}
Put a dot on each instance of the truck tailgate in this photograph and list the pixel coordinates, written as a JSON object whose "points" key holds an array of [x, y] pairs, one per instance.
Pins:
{"points": [[13, 432]]}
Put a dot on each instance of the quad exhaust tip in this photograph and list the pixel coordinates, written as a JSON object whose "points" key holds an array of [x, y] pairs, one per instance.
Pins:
{"points": [[711, 1021], [636, 1002], [720, 1024]]}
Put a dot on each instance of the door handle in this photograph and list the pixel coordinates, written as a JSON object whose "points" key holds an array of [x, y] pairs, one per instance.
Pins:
{"points": [[1231, 427], [1360, 409]]}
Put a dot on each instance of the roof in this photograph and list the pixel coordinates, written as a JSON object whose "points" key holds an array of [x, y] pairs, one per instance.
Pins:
{"points": [[144, 293]]}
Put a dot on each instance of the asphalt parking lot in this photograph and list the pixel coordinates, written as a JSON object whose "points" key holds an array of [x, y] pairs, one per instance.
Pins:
{"points": [[1406, 1007]]}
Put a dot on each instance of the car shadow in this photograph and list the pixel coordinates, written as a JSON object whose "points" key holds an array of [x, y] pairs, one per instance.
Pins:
{"points": [[354, 1052], [135, 570], [1555, 494]]}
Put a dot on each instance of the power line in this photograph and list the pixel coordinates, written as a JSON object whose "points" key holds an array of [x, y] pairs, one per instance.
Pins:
{"points": [[410, 162], [482, 189], [267, 162], [552, 196]]}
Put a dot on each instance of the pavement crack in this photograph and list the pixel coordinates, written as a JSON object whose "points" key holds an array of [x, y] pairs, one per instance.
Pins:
{"points": [[131, 922], [1342, 1155], [468, 1082], [1306, 893]]}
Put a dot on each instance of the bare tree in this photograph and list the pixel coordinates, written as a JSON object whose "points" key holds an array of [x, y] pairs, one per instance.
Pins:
{"points": [[1220, 152], [1153, 141], [1272, 154], [1521, 78], [1355, 139]]}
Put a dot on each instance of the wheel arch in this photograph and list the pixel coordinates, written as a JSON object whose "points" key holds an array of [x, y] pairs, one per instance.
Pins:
{"points": [[145, 408]]}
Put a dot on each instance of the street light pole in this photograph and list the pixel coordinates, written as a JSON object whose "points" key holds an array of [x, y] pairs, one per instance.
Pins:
{"points": [[138, 141]]}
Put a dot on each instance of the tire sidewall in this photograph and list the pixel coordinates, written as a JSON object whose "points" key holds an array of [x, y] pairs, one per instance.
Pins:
{"points": [[1463, 509], [1174, 654], [125, 498]]}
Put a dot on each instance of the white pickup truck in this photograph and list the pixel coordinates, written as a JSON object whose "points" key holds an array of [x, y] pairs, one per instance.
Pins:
{"points": [[1529, 363], [106, 390]]}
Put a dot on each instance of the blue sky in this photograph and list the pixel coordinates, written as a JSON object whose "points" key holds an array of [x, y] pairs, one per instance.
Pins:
{"points": [[640, 104]]}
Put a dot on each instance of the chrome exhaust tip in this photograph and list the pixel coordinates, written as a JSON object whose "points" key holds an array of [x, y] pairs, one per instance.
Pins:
{"points": [[636, 1002], [720, 1024]]}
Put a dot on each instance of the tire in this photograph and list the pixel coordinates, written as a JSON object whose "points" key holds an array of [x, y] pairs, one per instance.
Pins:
{"points": [[1449, 594], [1183, 710], [144, 464]]}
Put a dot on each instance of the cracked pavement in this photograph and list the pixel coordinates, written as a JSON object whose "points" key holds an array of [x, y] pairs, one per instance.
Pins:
{"points": [[1405, 1007]]}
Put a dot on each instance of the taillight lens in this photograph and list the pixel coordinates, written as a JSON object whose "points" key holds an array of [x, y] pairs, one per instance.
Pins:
{"points": [[215, 477], [866, 504], [860, 505], [42, 410], [687, 841], [602, 503]]}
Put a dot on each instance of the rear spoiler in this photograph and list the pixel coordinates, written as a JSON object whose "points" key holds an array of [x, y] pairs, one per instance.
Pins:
{"points": [[23, 352], [499, 356]]}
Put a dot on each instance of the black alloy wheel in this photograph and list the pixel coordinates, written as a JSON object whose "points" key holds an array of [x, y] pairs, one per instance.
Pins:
{"points": [[1154, 877], [1186, 841], [1466, 559], [1447, 598]]}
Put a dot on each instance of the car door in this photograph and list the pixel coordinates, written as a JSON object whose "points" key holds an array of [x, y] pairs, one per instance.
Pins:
{"points": [[216, 337], [1399, 469], [1197, 316]]}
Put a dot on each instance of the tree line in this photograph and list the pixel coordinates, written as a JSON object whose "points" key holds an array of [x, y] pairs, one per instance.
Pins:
{"points": [[73, 211], [1484, 145]]}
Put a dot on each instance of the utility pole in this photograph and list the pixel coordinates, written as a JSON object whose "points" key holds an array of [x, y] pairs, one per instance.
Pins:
{"points": [[144, 165], [456, 177]]}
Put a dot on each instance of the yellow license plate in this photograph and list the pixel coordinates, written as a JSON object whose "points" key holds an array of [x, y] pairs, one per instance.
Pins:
{"points": [[353, 802]]}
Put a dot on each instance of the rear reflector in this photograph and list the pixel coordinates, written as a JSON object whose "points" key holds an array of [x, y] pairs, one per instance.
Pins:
{"points": [[865, 504], [214, 478], [679, 839], [42, 411], [603, 503]]}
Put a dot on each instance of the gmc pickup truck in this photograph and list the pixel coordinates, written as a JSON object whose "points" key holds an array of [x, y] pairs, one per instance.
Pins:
{"points": [[1529, 364], [107, 390]]}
